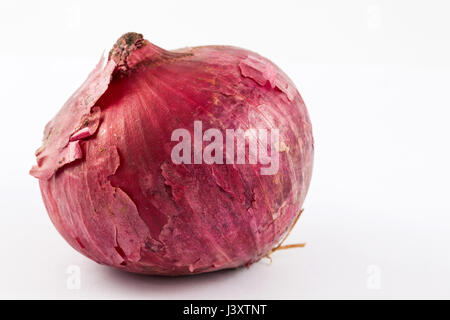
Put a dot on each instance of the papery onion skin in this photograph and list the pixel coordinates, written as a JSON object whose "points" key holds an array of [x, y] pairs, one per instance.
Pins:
{"points": [[112, 190]]}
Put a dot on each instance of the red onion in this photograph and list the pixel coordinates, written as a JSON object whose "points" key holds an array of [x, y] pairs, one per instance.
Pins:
{"points": [[128, 181]]}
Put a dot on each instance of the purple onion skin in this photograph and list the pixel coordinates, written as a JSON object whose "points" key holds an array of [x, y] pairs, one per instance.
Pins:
{"points": [[112, 190]]}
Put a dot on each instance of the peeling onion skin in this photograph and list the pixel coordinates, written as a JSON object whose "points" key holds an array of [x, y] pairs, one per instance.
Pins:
{"points": [[112, 190]]}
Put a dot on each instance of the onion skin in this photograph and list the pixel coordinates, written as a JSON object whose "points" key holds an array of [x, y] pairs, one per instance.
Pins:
{"points": [[112, 190]]}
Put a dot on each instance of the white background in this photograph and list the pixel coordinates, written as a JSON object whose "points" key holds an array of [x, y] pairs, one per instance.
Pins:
{"points": [[375, 78]]}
